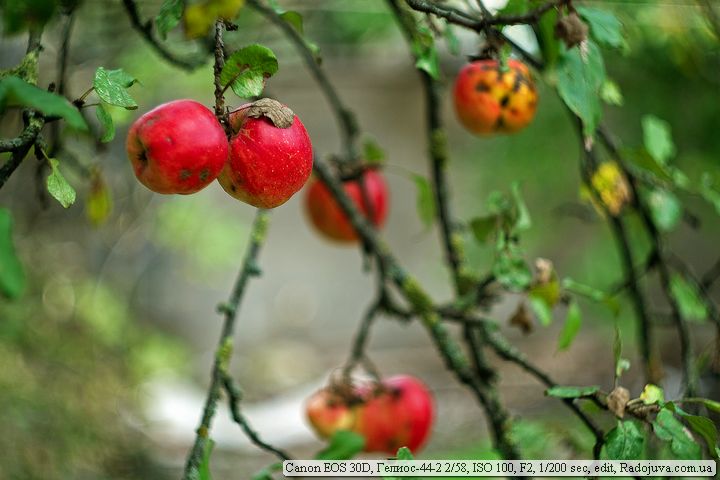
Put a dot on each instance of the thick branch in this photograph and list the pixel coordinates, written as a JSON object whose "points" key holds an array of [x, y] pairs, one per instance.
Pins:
{"points": [[463, 19], [146, 30], [421, 303], [224, 350]]}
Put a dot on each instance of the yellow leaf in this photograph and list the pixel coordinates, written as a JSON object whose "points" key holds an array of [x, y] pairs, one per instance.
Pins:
{"points": [[612, 187], [99, 201]]}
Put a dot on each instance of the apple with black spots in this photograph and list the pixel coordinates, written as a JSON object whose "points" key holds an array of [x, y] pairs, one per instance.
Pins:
{"points": [[177, 147], [492, 98]]}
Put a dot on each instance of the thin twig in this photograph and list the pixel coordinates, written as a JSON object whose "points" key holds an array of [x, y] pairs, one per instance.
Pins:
{"points": [[146, 30], [224, 349], [234, 397]]}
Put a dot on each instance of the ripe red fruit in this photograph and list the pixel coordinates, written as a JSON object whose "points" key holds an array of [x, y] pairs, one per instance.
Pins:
{"points": [[178, 147], [329, 219], [400, 416], [489, 100], [397, 413], [270, 155]]}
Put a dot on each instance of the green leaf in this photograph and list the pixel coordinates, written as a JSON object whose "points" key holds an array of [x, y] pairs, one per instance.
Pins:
{"points": [[483, 227], [621, 364], [658, 139], [522, 221], [512, 272], [99, 202], [514, 7], [58, 187], [561, 391], [452, 41], [372, 152], [427, 61], [665, 208], [710, 190], [111, 86], [295, 19], [425, 201], [542, 310], [585, 290], [688, 298], [611, 94], [545, 34], [670, 429], [711, 404], [169, 16], [19, 15], [15, 92], [573, 321], [266, 473], [426, 57], [247, 69], [580, 78], [12, 274], [605, 28], [122, 78], [344, 445], [701, 426], [204, 467], [106, 122], [652, 394], [624, 442], [403, 453]]}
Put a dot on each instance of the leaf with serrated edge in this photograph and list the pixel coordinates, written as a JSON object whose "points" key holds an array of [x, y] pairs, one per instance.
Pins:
{"points": [[605, 28], [247, 69], [581, 74], [573, 321], [624, 442], [169, 16], [106, 122], [110, 86], [58, 187]]}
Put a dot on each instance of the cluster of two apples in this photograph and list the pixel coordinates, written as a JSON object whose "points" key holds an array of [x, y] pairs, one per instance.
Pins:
{"points": [[180, 148], [396, 412]]}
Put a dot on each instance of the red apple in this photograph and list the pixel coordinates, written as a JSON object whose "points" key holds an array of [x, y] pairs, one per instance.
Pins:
{"points": [[270, 155], [178, 147], [329, 412], [401, 415], [329, 219]]}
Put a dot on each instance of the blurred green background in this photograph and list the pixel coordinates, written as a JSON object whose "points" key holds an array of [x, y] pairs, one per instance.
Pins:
{"points": [[105, 358]]}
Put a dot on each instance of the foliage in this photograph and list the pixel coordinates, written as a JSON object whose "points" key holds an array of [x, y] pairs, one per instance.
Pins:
{"points": [[641, 194]]}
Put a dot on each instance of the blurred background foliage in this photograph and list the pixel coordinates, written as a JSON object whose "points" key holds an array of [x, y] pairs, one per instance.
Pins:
{"points": [[111, 308]]}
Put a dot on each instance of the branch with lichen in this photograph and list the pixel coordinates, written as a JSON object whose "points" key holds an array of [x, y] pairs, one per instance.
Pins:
{"points": [[219, 375]]}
